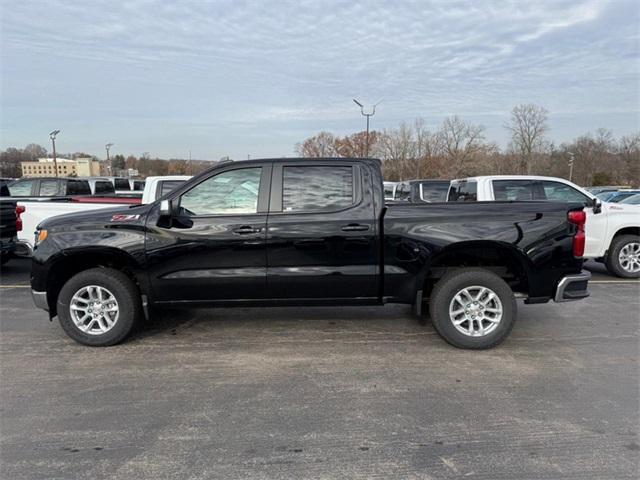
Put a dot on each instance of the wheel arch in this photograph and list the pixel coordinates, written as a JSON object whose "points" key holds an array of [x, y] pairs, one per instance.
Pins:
{"points": [[504, 259], [71, 262]]}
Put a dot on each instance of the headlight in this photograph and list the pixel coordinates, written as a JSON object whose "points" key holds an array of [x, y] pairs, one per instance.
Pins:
{"points": [[41, 236]]}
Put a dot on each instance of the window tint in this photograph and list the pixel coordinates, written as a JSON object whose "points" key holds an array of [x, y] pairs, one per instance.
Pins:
{"points": [[48, 188], [315, 188], [104, 186], [21, 188], [563, 193], [515, 190], [433, 192], [122, 184], [463, 192], [228, 193], [166, 186], [138, 185]]}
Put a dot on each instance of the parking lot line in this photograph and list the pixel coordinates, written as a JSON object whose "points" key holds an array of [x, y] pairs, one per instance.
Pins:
{"points": [[14, 286]]}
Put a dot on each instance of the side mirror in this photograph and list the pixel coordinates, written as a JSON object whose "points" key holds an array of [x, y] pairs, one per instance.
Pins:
{"points": [[597, 205], [165, 208]]}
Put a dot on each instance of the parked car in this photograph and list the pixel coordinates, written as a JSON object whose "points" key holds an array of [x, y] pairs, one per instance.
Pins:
{"points": [[38, 210], [10, 225], [632, 200], [618, 196], [157, 187], [307, 232], [430, 191], [612, 229], [49, 187]]}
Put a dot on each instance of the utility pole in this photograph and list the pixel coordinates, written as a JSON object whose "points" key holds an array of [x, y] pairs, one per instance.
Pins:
{"points": [[107, 147], [571, 159], [370, 114], [52, 136]]}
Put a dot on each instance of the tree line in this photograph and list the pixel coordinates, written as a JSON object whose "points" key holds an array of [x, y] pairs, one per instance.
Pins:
{"points": [[458, 148]]}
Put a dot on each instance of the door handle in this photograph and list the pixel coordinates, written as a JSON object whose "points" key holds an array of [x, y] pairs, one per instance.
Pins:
{"points": [[354, 227], [246, 229]]}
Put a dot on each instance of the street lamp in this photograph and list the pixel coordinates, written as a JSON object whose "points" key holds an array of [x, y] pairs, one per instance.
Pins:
{"points": [[107, 147], [52, 136], [571, 159], [371, 114]]}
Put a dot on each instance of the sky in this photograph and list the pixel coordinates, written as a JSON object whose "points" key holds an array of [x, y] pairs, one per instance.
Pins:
{"points": [[239, 78]]}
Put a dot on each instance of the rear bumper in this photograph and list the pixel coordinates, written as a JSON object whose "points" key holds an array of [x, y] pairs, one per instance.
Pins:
{"points": [[40, 299], [573, 287], [23, 249]]}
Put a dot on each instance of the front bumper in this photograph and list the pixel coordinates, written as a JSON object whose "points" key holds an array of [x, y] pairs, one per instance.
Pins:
{"points": [[573, 287], [40, 299]]}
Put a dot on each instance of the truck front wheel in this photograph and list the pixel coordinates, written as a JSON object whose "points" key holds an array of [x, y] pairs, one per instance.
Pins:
{"points": [[99, 307], [623, 258], [472, 308]]}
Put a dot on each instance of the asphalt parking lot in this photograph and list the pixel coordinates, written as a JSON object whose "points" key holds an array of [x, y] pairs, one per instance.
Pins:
{"points": [[294, 393]]}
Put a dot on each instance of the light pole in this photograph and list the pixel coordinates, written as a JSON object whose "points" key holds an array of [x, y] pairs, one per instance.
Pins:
{"points": [[371, 114], [571, 159], [52, 136], [107, 147]]}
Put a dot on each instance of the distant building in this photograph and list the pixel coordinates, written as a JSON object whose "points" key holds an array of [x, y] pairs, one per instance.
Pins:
{"points": [[44, 167]]}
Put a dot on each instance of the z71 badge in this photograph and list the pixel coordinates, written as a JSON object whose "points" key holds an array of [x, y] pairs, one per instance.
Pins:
{"points": [[124, 218]]}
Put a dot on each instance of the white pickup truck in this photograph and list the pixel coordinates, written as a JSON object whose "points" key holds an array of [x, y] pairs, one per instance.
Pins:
{"points": [[612, 229], [37, 210]]}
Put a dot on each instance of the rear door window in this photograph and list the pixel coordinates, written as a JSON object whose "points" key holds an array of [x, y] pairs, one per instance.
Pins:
{"points": [[403, 192], [48, 188], [516, 190], [311, 188], [463, 192], [433, 192], [104, 186], [122, 184], [166, 186]]}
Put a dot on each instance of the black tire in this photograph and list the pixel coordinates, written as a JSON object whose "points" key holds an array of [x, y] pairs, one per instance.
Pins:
{"points": [[452, 283], [4, 259], [613, 256], [125, 293]]}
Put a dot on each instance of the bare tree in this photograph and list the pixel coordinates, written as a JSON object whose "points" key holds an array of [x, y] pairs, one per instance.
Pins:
{"points": [[397, 149], [460, 142], [630, 154], [321, 145], [528, 126]]}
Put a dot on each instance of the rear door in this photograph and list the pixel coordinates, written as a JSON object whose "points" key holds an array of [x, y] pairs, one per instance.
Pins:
{"points": [[321, 231]]}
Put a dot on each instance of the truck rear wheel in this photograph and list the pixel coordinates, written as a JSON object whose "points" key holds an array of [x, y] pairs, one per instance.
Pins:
{"points": [[99, 307], [472, 308], [623, 259]]}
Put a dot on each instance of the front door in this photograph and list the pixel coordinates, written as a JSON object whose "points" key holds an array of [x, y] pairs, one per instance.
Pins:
{"points": [[321, 232], [214, 249]]}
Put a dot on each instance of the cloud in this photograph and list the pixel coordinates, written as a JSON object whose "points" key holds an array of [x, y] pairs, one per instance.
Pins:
{"points": [[143, 64]]}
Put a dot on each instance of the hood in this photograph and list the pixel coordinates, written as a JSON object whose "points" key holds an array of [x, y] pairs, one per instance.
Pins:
{"points": [[134, 214]]}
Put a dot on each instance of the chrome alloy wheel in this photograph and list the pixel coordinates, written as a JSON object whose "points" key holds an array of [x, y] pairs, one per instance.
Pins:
{"points": [[475, 311], [94, 310], [629, 257]]}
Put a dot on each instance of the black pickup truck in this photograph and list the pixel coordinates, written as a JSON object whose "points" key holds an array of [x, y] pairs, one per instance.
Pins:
{"points": [[307, 232]]}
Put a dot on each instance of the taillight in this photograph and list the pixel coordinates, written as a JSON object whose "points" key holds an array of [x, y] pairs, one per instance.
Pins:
{"points": [[19, 210], [578, 218]]}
